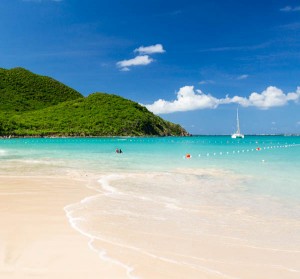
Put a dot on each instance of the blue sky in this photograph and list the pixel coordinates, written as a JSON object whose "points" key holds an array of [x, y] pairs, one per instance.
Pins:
{"points": [[191, 62]]}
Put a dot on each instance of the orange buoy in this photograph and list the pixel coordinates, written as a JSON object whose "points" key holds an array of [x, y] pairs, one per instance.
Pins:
{"points": [[258, 148], [188, 156]]}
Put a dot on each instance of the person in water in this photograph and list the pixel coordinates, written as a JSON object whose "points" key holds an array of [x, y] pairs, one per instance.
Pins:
{"points": [[119, 150]]}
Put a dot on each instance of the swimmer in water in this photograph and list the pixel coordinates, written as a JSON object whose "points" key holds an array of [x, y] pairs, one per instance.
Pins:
{"points": [[119, 150]]}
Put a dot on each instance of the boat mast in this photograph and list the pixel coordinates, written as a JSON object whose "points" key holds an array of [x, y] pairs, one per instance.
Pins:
{"points": [[237, 121]]}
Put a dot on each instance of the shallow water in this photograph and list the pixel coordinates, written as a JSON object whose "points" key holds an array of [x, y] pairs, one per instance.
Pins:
{"points": [[233, 202]]}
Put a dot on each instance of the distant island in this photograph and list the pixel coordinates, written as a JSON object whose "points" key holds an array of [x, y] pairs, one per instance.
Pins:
{"points": [[36, 106]]}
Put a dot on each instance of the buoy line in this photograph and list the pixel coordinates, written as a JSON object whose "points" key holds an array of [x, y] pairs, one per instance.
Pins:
{"points": [[234, 152]]}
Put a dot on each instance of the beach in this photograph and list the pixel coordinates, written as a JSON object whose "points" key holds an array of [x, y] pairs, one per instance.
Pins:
{"points": [[67, 214], [37, 241], [36, 238]]}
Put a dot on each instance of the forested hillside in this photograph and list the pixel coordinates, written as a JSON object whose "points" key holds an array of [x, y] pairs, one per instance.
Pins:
{"points": [[22, 90], [33, 105]]}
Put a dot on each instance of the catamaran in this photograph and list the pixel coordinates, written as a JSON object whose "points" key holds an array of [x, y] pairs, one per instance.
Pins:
{"points": [[237, 134]]}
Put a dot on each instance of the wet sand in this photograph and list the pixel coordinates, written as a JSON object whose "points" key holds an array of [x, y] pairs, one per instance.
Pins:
{"points": [[37, 240]]}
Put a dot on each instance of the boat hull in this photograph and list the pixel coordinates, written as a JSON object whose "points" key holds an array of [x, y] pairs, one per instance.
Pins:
{"points": [[237, 136]]}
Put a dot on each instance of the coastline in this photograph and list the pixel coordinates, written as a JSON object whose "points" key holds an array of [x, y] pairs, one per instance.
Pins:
{"points": [[75, 212], [36, 239], [7, 137]]}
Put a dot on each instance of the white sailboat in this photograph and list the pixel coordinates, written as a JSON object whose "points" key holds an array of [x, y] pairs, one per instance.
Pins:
{"points": [[237, 134]]}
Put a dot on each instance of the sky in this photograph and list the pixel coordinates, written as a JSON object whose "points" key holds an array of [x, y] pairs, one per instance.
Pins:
{"points": [[192, 62]]}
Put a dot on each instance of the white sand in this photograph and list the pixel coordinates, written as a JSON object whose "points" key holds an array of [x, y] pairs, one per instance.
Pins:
{"points": [[37, 241]]}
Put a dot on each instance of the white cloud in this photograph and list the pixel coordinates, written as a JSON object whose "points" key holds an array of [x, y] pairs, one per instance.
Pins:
{"points": [[206, 82], [187, 99], [158, 48], [141, 60], [286, 9], [237, 48], [125, 69], [272, 96], [290, 9], [190, 99], [242, 77]]}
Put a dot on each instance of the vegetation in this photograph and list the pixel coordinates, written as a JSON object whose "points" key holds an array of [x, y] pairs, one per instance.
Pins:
{"points": [[33, 105], [21, 90]]}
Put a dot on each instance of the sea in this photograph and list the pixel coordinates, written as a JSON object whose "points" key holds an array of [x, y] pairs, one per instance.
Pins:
{"points": [[179, 207]]}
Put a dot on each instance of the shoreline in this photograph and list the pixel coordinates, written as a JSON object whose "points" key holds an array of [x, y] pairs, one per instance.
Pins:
{"points": [[40, 236], [214, 255], [144, 136], [36, 238]]}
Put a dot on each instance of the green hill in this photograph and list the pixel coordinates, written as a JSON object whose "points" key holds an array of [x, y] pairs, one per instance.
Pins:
{"points": [[57, 110], [22, 90]]}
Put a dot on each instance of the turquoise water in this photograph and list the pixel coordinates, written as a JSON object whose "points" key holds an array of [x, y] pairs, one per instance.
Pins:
{"points": [[274, 169], [239, 195]]}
